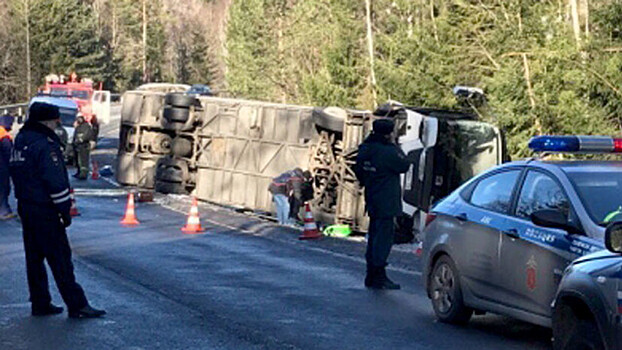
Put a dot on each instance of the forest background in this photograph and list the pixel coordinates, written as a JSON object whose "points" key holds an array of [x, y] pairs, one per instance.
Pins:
{"points": [[546, 66]]}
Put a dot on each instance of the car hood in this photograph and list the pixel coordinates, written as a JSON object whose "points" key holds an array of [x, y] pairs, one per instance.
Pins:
{"points": [[603, 254]]}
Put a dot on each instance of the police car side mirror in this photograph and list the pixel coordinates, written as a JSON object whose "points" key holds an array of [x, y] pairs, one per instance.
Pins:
{"points": [[613, 237], [550, 218]]}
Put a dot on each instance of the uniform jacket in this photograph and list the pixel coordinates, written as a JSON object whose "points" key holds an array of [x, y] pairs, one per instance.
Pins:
{"points": [[83, 134], [38, 170], [378, 167]]}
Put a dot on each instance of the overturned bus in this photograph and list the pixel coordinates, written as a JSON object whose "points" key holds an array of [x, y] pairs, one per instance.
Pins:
{"points": [[227, 151]]}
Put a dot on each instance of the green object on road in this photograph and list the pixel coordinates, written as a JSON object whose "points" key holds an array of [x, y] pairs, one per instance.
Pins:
{"points": [[337, 231]]}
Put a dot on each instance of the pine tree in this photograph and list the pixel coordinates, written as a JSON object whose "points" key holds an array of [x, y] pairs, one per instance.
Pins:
{"points": [[64, 40]]}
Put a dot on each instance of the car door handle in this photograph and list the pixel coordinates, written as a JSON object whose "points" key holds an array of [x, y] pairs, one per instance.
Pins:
{"points": [[512, 233], [462, 217]]}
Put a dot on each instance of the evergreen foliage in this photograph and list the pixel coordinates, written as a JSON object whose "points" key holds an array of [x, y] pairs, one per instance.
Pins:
{"points": [[538, 75]]}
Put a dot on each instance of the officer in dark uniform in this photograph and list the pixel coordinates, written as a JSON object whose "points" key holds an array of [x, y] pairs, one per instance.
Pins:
{"points": [[82, 137], [378, 167], [43, 204], [6, 146]]}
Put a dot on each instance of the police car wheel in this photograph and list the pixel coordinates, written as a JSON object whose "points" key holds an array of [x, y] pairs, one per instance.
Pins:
{"points": [[446, 293], [571, 332]]}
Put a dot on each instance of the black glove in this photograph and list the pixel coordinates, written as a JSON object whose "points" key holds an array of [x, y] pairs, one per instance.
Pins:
{"points": [[66, 220]]}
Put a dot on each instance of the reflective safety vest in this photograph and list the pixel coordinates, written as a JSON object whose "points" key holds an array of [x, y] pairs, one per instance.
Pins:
{"points": [[4, 134]]}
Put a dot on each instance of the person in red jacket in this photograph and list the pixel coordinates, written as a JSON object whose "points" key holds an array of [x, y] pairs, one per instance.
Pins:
{"points": [[6, 146]]}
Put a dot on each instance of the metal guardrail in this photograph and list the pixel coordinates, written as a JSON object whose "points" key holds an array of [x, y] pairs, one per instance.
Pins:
{"points": [[17, 110]]}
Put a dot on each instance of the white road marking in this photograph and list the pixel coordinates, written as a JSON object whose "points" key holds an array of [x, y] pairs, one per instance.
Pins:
{"points": [[100, 192]]}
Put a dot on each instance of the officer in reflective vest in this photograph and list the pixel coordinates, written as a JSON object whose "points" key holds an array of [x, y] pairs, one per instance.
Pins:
{"points": [[6, 145], [43, 204]]}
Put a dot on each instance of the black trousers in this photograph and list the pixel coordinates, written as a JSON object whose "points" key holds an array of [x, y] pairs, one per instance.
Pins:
{"points": [[379, 241], [294, 208], [45, 238], [5, 189]]}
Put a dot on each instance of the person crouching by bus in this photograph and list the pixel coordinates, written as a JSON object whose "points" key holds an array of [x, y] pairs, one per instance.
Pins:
{"points": [[82, 138], [280, 195], [6, 147], [300, 190]]}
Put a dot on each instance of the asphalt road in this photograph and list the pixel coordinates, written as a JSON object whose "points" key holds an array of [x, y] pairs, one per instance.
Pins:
{"points": [[243, 284]]}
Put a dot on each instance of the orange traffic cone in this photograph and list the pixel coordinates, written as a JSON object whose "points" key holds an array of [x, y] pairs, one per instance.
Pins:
{"points": [[311, 231], [95, 174], [74, 209], [193, 225], [129, 219]]}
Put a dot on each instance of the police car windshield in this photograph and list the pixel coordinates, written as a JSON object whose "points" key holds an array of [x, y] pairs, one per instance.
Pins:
{"points": [[601, 193]]}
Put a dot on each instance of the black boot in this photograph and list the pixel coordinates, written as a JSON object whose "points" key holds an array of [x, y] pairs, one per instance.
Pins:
{"points": [[47, 310], [86, 312], [386, 282], [369, 278], [373, 279]]}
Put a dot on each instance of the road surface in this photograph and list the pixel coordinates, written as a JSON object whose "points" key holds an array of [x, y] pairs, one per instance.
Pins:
{"points": [[245, 283]]}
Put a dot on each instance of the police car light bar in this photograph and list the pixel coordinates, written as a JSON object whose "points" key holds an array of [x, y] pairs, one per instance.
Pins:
{"points": [[576, 144]]}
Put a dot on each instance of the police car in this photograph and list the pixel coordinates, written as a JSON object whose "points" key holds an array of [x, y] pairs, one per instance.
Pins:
{"points": [[501, 242], [588, 306]]}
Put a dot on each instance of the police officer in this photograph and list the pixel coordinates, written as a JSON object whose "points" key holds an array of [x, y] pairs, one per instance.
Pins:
{"points": [[378, 167], [6, 145], [82, 137], [43, 204], [95, 127]]}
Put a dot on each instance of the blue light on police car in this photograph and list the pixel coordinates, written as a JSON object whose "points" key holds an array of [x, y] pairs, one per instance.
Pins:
{"points": [[555, 144], [582, 144]]}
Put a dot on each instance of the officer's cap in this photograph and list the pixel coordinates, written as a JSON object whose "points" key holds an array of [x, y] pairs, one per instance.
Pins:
{"points": [[40, 111], [383, 126]]}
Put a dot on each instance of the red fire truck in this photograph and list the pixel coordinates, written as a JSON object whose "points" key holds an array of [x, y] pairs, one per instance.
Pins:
{"points": [[79, 90]]}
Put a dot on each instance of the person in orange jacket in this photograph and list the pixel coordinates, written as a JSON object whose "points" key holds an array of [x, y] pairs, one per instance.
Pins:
{"points": [[6, 147]]}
